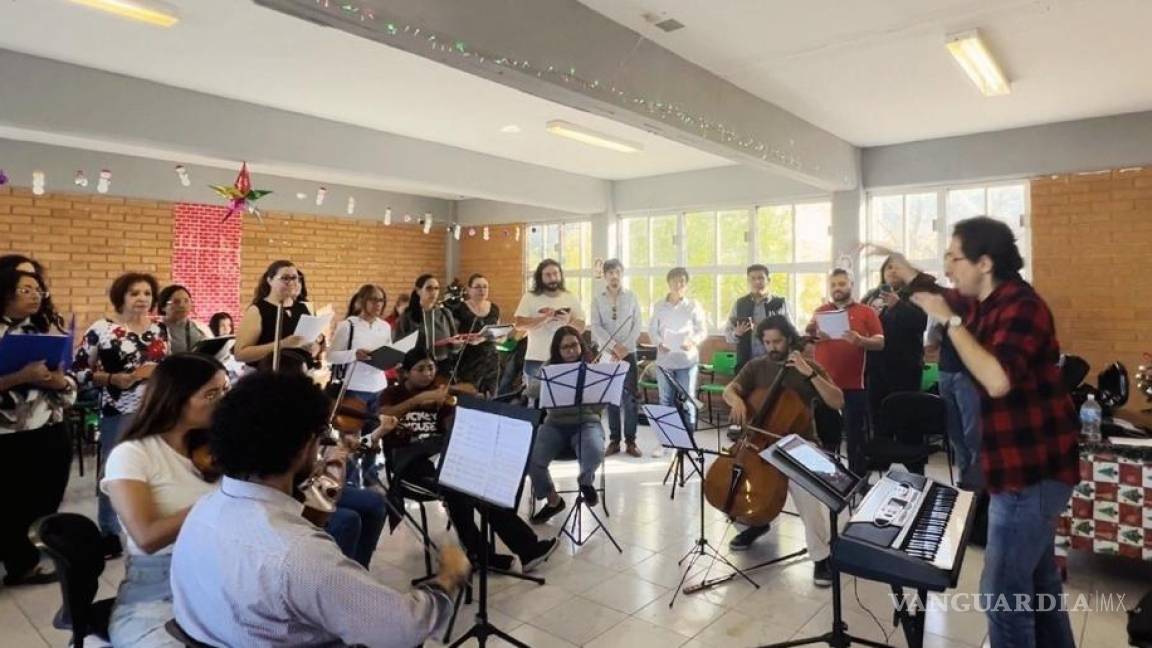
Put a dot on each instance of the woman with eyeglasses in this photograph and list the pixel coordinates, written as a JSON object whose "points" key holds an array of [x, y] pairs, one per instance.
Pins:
{"points": [[34, 443], [435, 324], [118, 355], [479, 362], [175, 305], [257, 335], [153, 483]]}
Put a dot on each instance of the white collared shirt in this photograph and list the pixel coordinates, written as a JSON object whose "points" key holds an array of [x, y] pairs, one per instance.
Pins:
{"points": [[364, 335]]}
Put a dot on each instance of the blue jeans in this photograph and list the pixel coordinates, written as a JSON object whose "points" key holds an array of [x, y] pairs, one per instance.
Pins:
{"points": [[111, 427], [856, 427], [585, 440], [1019, 565], [962, 403], [686, 378], [627, 407], [143, 604], [365, 471], [357, 522]]}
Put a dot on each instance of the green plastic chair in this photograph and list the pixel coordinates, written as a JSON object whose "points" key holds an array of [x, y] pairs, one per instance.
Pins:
{"points": [[723, 365], [931, 376]]}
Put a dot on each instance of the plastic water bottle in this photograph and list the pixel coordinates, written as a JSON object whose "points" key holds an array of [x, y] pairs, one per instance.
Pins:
{"points": [[1090, 416]]}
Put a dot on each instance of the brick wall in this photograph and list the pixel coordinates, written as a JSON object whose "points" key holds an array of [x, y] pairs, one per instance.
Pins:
{"points": [[501, 259], [206, 257], [1091, 236], [86, 240]]}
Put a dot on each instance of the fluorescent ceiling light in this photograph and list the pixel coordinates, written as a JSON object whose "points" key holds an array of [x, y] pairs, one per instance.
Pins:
{"points": [[581, 134], [145, 11], [970, 52], [510, 128]]}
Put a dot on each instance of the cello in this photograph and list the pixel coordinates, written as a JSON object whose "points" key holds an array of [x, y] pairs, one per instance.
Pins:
{"points": [[740, 483]]}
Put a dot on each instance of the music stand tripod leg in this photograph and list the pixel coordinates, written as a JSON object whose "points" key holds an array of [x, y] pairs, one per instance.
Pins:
{"points": [[482, 629]]}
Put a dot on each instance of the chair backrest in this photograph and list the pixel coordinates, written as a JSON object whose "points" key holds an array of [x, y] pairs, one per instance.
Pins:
{"points": [[910, 417], [73, 543], [724, 363], [1074, 370]]}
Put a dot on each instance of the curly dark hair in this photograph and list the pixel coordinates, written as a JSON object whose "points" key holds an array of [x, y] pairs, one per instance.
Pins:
{"points": [[48, 310], [538, 276], [264, 421], [42, 320]]}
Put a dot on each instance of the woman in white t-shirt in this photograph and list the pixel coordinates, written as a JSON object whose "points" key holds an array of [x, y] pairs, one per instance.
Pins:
{"points": [[153, 483]]}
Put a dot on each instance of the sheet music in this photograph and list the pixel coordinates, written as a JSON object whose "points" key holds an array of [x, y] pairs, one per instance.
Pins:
{"points": [[669, 427], [406, 343], [604, 383], [834, 323], [558, 384], [486, 455], [674, 340], [311, 326]]}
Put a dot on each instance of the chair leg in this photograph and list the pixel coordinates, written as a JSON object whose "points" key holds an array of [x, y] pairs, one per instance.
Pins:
{"points": [[604, 493], [424, 530]]}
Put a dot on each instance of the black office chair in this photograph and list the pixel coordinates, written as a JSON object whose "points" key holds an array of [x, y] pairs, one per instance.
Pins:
{"points": [[829, 426], [913, 426], [1074, 370], [72, 542]]}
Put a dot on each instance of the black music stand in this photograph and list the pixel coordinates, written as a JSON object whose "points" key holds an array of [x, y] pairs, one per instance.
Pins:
{"points": [[676, 468], [484, 459], [575, 385], [825, 478]]}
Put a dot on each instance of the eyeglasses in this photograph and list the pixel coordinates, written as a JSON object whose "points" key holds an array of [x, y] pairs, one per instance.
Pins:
{"points": [[28, 292], [289, 278], [432, 288], [572, 346], [213, 395]]}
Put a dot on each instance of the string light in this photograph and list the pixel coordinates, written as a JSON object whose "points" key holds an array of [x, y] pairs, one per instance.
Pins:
{"points": [[387, 215]]}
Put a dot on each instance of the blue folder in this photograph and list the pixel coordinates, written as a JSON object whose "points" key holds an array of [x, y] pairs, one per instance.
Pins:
{"points": [[18, 350]]}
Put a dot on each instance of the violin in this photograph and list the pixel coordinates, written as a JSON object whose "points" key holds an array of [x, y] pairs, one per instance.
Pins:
{"points": [[201, 456]]}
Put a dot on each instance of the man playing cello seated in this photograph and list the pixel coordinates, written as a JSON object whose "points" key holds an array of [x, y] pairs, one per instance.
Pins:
{"points": [[809, 381]]}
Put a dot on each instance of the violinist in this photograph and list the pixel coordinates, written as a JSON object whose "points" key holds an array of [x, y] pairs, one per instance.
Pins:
{"points": [[811, 382], [153, 483], [425, 413]]}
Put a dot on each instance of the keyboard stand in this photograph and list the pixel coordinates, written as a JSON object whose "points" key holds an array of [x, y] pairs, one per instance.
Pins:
{"points": [[911, 622]]}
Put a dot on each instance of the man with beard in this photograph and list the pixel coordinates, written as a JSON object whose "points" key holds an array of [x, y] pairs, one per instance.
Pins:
{"points": [[248, 569], [809, 381], [845, 358], [542, 311]]}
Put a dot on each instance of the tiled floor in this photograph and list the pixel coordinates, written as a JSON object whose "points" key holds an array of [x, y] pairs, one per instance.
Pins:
{"points": [[595, 596]]}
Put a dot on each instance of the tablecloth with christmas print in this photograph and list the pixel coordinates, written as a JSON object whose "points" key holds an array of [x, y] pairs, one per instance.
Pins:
{"points": [[1110, 511]]}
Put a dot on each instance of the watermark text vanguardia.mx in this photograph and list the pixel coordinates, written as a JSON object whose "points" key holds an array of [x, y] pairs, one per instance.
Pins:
{"points": [[968, 602]]}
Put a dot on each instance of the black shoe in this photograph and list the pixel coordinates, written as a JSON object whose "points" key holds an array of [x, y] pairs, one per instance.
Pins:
{"points": [[540, 553], [112, 547], [35, 576], [821, 573], [546, 513], [591, 497], [745, 538], [500, 561]]}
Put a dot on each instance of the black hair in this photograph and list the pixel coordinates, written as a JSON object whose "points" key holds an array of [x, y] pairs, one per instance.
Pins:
{"points": [[538, 276], [47, 308], [612, 264], [176, 379], [473, 277], [265, 420], [554, 356], [303, 295], [124, 283], [413, 358], [757, 267], [678, 271], [415, 310], [356, 304], [263, 289], [841, 271], [166, 295], [42, 320], [778, 323], [983, 236], [217, 319]]}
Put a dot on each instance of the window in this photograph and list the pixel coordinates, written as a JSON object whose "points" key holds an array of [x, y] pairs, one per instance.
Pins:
{"points": [[571, 245], [717, 246], [911, 222]]}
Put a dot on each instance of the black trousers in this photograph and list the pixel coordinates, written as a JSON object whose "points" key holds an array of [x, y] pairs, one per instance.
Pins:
{"points": [[38, 463]]}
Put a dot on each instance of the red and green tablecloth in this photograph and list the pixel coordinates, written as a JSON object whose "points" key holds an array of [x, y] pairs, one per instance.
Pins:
{"points": [[1110, 511]]}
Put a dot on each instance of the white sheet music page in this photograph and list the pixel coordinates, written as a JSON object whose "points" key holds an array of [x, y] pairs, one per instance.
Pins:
{"points": [[558, 384], [669, 427], [510, 455], [468, 457], [598, 389]]}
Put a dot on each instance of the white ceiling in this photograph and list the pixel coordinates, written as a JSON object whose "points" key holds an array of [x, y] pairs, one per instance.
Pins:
{"points": [[236, 49], [877, 72]]}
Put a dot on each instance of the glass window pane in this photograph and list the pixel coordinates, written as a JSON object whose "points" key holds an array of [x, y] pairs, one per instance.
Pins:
{"points": [[642, 286], [585, 285], [664, 248], [813, 232], [570, 254], [700, 238], [637, 243], [886, 222], [732, 287], [810, 291], [774, 234], [1007, 204], [551, 241], [965, 203], [782, 286], [734, 239], [702, 288], [534, 244], [920, 213]]}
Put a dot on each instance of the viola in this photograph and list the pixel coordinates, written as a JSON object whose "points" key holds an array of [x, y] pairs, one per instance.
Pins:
{"points": [[201, 456]]}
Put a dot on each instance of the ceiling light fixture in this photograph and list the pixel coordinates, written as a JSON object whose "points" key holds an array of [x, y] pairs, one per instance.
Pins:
{"points": [[510, 128], [972, 54], [586, 136], [145, 11]]}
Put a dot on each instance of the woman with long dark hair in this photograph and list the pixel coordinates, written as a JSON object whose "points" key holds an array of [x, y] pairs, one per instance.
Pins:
{"points": [[479, 362], [153, 483], [34, 444], [256, 336], [899, 366], [576, 427], [28, 264], [118, 355], [436, 326]]}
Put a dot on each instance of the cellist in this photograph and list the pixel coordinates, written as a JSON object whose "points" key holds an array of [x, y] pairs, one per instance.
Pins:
{"points": [[809, 381]]}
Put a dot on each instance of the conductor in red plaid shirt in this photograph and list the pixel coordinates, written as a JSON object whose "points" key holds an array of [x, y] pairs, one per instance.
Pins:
{"points": [[1006, 337]]}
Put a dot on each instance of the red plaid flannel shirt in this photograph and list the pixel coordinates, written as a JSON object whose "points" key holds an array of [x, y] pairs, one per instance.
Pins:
{"points": [[1030, 434]]}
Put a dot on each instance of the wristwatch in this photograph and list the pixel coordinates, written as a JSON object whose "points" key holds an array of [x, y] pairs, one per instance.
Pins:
{"points": [[955, 321]]}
